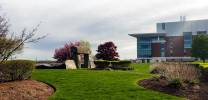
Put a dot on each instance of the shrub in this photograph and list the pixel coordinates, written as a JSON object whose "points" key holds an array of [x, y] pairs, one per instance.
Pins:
{"points": [[175, 83], [42, 66], [102, 64], [16, 70], [157, 68], [182, 71], [124, 63], [204, 74]]}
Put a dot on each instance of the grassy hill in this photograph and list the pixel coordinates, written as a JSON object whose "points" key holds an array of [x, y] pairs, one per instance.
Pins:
{"points": [[100, 85]]}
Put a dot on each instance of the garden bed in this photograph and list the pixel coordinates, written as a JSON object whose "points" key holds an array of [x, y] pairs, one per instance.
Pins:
{"points": [[25, 90], [193, 92]]}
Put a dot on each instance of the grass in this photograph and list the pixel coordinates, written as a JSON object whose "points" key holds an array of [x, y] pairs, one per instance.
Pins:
{"points": [[205, 65], [201, 63], [100, 85]]}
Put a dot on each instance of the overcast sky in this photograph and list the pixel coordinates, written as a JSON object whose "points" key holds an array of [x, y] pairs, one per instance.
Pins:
{"points": [[96, 21]]}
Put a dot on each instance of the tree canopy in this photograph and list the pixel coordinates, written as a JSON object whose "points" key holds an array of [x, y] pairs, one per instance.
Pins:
{"points": [[200, 46], [107, 51]]}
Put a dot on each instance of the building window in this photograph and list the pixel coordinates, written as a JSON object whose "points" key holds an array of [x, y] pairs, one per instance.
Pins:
{"points": [[144, 46], [162, 46], [201, 32], [187, 36], [163, 26], [162, 49]]}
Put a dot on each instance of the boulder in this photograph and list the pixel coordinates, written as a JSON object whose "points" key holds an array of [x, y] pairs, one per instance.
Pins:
{"points": [[70, 64], [91, 61]]}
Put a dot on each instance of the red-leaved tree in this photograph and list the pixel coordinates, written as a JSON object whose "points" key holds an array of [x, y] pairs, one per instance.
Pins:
{"points": [[107, 51], [64, 53]]}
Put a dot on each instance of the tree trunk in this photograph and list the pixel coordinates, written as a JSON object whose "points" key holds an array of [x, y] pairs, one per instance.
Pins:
{"points": [[203, 59]]}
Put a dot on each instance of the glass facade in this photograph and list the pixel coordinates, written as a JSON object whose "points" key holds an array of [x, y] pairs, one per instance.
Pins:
{"points": [[187, 37], [144, 45], [201, 32]]}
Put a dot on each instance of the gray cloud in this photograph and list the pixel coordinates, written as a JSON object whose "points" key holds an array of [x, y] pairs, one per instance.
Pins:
{"points": [[95, 21]]}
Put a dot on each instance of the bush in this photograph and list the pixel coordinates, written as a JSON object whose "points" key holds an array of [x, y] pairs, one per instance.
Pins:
{"points": [[123, 65], [51, 66], [16, 70], [182, 71], [157, 68], [204, 74], [102, 64], [175, 83]]}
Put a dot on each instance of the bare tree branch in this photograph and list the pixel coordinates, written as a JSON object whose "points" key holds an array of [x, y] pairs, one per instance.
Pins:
{"points": [[14, 43]]}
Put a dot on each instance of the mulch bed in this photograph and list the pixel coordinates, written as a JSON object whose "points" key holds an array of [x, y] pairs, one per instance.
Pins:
{"points": [[25, 90], [190, 91]]}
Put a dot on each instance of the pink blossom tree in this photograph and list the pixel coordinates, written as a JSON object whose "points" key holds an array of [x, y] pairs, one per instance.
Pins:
{"points": [[64, 53]]}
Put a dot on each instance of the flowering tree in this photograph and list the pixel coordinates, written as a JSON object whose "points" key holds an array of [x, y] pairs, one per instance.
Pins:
{"points": [[107, 51], [64, 53]]}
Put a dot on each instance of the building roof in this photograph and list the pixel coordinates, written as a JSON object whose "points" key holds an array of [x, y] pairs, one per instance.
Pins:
{"points": [[191, 21], [147, 34]]}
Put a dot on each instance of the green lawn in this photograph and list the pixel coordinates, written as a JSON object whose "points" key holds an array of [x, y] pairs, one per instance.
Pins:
{"points": [[205, 65], [201, 63], [100, 85]]}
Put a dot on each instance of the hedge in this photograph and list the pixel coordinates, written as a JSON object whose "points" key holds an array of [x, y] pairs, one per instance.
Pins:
{"points": [[122, 64], [102, 64], [62, 66], [16, 70]]}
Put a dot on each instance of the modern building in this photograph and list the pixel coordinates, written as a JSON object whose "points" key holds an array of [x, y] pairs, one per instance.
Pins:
{"points": [[172, 41]]}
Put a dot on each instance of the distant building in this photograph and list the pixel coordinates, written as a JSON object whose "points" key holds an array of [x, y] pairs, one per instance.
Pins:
{"points": [[172, 41]]}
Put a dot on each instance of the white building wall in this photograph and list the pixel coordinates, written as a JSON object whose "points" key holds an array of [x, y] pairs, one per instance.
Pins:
{"points": [[177, 28]]}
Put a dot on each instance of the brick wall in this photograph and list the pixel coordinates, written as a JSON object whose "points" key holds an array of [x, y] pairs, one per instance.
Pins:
{"points": [[174, 46], [156, 50]]}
